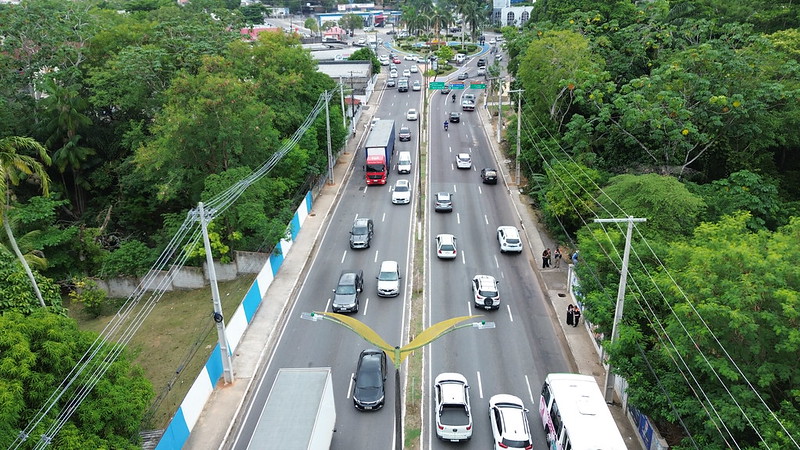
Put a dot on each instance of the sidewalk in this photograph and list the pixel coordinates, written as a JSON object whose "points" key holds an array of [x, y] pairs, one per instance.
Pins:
{"points": [[554, 283]]}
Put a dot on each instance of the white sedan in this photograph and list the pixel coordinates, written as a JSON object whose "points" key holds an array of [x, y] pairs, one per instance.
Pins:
{"points": [[410, 57], [414, 69], [401, 195], [392, 74], [406, 73], [412, 114], [446, 246], [463, 161]]}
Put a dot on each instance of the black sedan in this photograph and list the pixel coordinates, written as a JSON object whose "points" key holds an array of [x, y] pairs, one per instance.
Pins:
{"points": [[455, 117], [405, 133], [368, 390]]}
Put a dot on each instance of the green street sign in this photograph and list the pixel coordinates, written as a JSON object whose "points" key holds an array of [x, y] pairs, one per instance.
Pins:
{"points": [[457, 86], [436, 85], [477, 86]]}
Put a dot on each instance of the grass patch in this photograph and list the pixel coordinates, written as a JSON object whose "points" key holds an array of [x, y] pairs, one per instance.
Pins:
{"points": [[174, 342]]}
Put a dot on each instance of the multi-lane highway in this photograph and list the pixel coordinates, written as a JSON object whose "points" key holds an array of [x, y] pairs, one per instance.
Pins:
{"points": [[512, 358]]}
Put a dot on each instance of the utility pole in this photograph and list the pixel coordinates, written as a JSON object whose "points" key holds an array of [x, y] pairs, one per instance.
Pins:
{"points": [[623, 279], [225, 354], [499, 108], [352, 104], [519, 129], [328, 96], [341, 96]]}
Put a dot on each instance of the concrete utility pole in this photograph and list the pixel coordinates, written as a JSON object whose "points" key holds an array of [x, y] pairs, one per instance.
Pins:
{"points": [[225, 354], [344, 111], [328, 97], [499, 108], [519, 129], [352, 104], [623, 279]]}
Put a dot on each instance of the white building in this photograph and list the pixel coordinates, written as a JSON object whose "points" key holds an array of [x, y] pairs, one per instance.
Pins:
{"points": [[505, 15]]}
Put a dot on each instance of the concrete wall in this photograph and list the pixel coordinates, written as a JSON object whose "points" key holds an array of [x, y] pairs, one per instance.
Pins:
{"points": [[188, 413]]}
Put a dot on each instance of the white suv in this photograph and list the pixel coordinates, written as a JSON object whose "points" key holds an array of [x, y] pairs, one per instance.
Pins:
{"points": [[485, 293], [389, 279], [401, 195], [509, 239], [509, 422], [453, 413], [463, 161]]}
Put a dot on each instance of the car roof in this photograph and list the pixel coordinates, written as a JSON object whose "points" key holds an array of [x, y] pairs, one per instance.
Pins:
{"points": [[486, 280], [513, 415], [443, 194], [509, 230], [464, 155], [389, 266], [348, 276], [401, 183], [405, 128], [452, 388], [445, 238], [361, 221]]}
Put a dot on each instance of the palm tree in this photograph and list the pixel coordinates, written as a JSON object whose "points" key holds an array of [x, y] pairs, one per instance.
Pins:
{"points": [[15, 167]]}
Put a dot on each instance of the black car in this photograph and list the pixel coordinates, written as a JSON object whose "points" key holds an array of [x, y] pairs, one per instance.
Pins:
{"points": [[361, 233], [455, 117], [345, 296], [446, 89], [481, 62], [370, 377], [444, 202], [405, 134], [489, 176]]}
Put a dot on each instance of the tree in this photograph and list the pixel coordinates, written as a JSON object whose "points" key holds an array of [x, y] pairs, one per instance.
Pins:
{"points": [[312, 24], [366, 54], [741, 286], [14, 168], [351, 22], [254, 14], [36, 353]]}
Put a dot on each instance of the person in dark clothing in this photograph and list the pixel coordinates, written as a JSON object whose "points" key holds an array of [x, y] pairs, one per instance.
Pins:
{"points": [[576, 316], [546, 258], [570, 314]]}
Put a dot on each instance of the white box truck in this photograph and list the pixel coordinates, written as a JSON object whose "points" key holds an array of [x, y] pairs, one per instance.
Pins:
{"points": [[299, 413]]}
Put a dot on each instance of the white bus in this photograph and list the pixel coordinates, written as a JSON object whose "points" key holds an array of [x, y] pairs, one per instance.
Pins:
{"points": [[575, 415]]}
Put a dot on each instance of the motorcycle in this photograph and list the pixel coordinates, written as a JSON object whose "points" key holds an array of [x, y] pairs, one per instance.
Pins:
{"points": [[445, 126], [454, 98]]}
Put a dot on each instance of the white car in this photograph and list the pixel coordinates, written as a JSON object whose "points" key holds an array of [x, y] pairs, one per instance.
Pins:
{"points": [[393, 73], [453, 413], [389, 279], [410, 57], [406, 73], [416, 86], [401, 194], [484, 292], [384, 59], [509, 420], [509, 239], [420, 59], [492, 41], [463, 161], [414, 69], [446, 246], [412, 114]]}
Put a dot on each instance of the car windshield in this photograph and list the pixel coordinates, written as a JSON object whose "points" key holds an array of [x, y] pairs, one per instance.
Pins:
{"points": [[487, 293], [466, 158], [346, 290], [404, 130], [387, 276], [401, 188], [359, 230], [448, 247]]}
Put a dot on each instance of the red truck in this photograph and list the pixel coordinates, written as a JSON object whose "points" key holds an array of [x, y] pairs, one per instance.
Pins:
{"points": [[379, 149]]}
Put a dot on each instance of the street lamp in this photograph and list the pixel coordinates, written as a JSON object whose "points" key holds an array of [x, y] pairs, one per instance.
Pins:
{"points": [[396, 353]]}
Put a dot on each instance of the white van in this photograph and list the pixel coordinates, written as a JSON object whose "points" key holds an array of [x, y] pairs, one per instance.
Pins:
{"points": [[460, 58], [404, 162]]}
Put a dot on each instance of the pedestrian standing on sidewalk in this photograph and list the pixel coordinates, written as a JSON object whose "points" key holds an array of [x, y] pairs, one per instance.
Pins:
{"points": [[557, 258], [576, 316], [546, 258], [570, 314]]}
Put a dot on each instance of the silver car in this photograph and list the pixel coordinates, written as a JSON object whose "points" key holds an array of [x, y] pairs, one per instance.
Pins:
{"points": [[389, 279]]}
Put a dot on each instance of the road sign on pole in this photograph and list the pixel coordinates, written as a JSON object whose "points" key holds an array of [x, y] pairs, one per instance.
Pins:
{"points": [[477, 86], [436, 85], [457, 86]]}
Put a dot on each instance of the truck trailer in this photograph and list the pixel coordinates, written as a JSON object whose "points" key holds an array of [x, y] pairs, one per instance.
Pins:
{"points": [[379, 149], [299, 412]]}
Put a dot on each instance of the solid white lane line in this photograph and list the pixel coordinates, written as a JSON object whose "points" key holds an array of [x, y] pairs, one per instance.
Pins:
{"points": [[480, 385]]}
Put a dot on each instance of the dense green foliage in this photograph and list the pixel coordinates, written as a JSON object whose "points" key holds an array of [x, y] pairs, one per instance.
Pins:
{"points": [[37, 351], [684, 113], [142, 109]]}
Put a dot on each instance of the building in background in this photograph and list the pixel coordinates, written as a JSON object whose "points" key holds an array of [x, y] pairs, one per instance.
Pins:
{"points": [[506, 15]]}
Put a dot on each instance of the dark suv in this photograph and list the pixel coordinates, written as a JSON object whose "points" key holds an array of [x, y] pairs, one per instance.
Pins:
{"points": [[405, 134], [345, 296], [481, 62], [361, 234], [489, 176], [368, 389]]}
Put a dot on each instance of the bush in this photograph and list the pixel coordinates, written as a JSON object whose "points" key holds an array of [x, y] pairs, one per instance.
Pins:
{"points": [[90, 295], [132, 258]]}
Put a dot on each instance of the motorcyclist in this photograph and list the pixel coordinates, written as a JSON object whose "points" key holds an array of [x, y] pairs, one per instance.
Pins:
{"points": [[454, 98], [445, 125]]}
